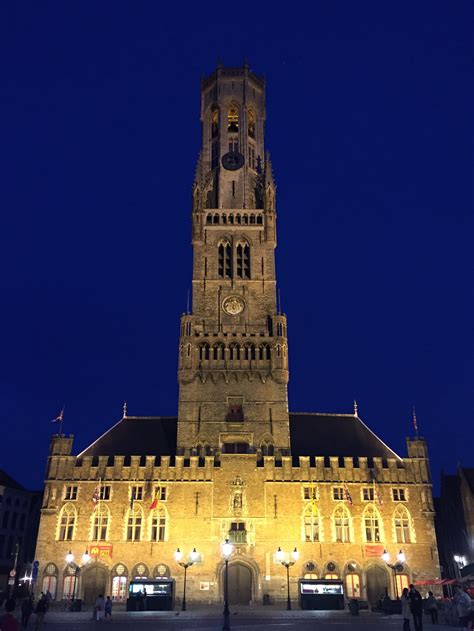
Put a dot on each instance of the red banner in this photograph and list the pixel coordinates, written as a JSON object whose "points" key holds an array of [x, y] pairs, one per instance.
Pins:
{"points": [[373, 551], [100, 551]]}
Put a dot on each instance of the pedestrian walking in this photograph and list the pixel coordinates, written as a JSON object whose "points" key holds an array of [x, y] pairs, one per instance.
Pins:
{"points": [[40, 611], [26, 611], [405, 609], [108, 608], [464, 606], [431, 607], [416, 608], [99, 608], [8, 622]]}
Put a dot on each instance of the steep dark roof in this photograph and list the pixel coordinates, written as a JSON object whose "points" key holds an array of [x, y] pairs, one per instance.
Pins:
{"points": [[137, 436], [334, 435], [311, 435], [6, 480]]}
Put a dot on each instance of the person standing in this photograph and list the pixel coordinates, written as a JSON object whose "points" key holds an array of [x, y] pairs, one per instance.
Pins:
{"points": [[463, 603], [8, 622], [108, 608], [26, 611], [432, 606], [416, 608], [40, 611], [99, 608], [405, 609]]}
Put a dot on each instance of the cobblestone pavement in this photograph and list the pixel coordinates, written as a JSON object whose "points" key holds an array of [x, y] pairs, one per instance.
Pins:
{"points": [[211, 620]]}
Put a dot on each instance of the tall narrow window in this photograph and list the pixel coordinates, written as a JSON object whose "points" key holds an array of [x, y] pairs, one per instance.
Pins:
{"points": [[341, 524], [214, 123], [311, 522], [100, 523], [233, 144], [401, 522], [158, 525], [233, 119], [372, 525], [134, 523], [214, 155], [243, 260], [67, 521], [251, 123], [353, 586], [225, 260]]}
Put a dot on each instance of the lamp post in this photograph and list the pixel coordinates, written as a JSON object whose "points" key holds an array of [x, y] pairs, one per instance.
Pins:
{"points": [[178, 556], [281, 557], [227, 549], [86, 557], [460, 562], [401, 558]]}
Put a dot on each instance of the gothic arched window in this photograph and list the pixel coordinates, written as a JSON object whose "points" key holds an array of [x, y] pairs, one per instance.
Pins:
{"points": [[267, 448], [233, 119], [204, 351], [67, 523], [134, 523], [158, 525], [371, 525], [264, 352], [341, 519], [311, 522], [224, 260], [402, 525], [234, 350], [251, 123], [243, 260], [100, 523]]}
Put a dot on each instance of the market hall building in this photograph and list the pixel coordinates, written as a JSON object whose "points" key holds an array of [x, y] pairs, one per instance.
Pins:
{"points": [[235, 463]]}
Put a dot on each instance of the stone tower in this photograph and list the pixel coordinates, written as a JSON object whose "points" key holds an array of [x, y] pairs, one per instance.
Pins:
{"points": [[233, 355]]}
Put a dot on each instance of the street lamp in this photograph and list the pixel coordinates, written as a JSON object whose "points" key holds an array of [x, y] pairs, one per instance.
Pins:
{"points": [[227, 549], [281, 557], [178, 555], [460, 563], [401, 558], [86, 557]]}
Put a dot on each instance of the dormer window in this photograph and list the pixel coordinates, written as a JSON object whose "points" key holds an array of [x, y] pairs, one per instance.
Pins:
{"points": [[233, 119]]}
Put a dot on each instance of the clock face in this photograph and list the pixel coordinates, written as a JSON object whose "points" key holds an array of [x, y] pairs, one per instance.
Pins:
{"points": [[233, 305], [233, 161]]}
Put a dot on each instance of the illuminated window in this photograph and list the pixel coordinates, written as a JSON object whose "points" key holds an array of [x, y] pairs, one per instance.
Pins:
{"points": [[401, 522], [225, 260], [353, 585], [233, 119], [100, 524], [372, 525], [68, 586], [50, 584], [342, 524], [158, 525], [332, 577], [311, 522], [119, 588], [402, 581], [251, 123], [237, 532], [134, 523], [67, 522]]}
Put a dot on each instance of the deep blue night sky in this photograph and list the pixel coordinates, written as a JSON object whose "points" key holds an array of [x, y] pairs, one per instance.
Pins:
{"points": [[369, 123]]}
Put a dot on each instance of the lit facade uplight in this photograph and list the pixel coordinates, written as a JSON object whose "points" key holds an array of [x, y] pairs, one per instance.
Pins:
{"points": [[227, 548], [194, 555], [178, 555], [386, 556], [86, 557], [401, 557], [69, 557]]}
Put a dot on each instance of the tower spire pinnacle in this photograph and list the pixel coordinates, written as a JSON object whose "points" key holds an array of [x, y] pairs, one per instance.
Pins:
{"points": [[124, 409], [355, 407]]}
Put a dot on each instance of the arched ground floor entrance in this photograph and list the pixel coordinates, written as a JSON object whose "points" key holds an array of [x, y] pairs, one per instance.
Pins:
{"points": [[377, 584], [94, 583], [240, 583]]}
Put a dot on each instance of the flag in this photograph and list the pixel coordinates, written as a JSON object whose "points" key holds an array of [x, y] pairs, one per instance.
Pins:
{"points": [[347, 494], [96, 496], [379, 495], [132, 498], [415, 424], [154, 504], [59, 418]]}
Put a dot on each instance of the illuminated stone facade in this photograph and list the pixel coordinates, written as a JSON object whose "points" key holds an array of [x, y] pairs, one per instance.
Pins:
{"points": [[235, 463]]}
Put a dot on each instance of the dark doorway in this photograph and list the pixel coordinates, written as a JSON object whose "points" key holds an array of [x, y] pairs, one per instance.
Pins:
{"points": [[94, 583], [240, 584], [377, 584]]}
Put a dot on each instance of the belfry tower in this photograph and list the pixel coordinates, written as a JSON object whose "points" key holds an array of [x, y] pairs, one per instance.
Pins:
{"points": [[233, 355]]}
